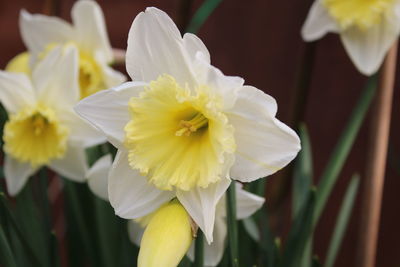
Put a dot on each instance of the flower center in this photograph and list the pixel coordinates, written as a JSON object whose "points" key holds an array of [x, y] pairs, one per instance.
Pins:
{"points": [[191, 126], [178, 137], [360, 13], [35, 135], [90, 76]]}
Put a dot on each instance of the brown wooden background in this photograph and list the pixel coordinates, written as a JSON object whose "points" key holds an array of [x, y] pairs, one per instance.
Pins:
{"points": [[260, 41]]}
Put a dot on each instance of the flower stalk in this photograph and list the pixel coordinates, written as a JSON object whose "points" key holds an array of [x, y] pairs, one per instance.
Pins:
{"points": [[232, 225], [199, 250]]}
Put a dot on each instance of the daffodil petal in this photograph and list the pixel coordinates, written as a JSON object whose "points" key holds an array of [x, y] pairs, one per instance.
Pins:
{"points": [[16, 174], [97, 176], [61, 87], [213, 252], [135, 232], [318, 23], [88, 18], [108, 110], [16, 91], [38, 31], [264, 144], [246, 202], [222, 85], [112, 77], [193, 44], [72, 165], [367, 49], [155, 47], [201, 204], [130, 193], [80, 130]]}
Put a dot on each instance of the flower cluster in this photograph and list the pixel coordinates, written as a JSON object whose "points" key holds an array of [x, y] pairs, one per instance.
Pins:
{"points": [[183, 130]]}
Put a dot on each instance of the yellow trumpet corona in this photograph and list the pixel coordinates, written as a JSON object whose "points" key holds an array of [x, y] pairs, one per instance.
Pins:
{"points": [[19, 64], [167, 237]]}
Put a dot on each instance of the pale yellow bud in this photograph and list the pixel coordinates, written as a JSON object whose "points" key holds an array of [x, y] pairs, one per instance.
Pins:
{"points": [[19, 64], [167, 237]]}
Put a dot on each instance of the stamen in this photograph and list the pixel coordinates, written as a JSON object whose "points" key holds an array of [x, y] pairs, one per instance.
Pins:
{"points": [[39, 123], [188, 127]]}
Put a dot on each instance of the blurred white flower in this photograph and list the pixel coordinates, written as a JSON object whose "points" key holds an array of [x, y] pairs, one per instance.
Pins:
{"points": [[182, 128], [367, 28], [42, 128], [88, 33], [247, 204]]}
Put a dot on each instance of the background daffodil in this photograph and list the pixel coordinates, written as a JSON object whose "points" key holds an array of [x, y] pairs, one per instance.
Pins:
{"points": [[88, 33], [42, 128], [182, 128], [367, 28], [247, 204]]}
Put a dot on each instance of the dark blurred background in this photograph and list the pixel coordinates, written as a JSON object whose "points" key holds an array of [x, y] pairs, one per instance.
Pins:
{"points": [[260, 41]]}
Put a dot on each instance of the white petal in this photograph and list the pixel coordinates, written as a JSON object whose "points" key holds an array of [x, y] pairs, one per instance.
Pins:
{"points": [[112, 77], [318, 23], [91, 29], [264, 144], [55, 78], [108, 110], [130, 193], [193, 45], [16, 91], [201, 204], [73, 165], [213, 252], [81, 131], [225, 86], [246, 202], [38, 31], [155, 47], [135, 232], [16, 174], [367, 49], [97, 176]]}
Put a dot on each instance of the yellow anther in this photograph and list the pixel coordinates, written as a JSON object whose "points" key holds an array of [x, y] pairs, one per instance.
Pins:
{"points": [[188, 127]]}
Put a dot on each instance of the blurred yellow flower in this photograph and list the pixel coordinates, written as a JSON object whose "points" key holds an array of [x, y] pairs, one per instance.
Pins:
{"points": [[19, 64], [88, 33], [42, 128], [367, 28]]}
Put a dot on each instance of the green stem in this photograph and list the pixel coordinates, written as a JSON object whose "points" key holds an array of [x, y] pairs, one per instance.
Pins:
{"points": [[199, 250], [232, 225]]}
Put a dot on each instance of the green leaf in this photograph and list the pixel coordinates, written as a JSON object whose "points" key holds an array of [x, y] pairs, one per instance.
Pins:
{"points": [[300, 233], [302, 178], [6, 255], [26, 245], [251, 228], [55, 257], [343, 147], [78, 200], [107, 231], [342, 220], [201, 15], [267, 242]]}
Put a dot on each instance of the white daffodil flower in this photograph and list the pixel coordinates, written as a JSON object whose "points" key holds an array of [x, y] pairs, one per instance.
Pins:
{"points": [[182, 128], [367, 28], [42, 128], [247, 204], [88, 33]]}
